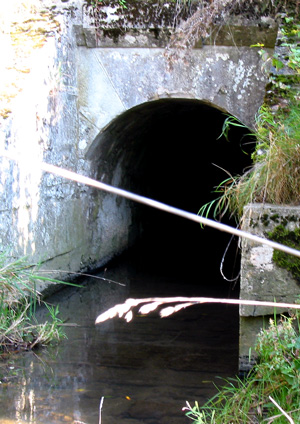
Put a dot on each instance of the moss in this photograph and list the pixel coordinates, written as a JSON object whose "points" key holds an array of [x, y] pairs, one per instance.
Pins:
{"points": [[284, 84], [265, 219], [253, 224], [113, 33], [280, 88], [289, 238], [275, 217]]}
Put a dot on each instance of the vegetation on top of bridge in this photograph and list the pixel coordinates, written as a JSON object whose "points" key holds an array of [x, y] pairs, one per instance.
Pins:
{"points": [[198, 14], [188, 23]]}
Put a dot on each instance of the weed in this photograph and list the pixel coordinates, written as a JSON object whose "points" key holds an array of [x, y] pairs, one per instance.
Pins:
{"points": [[276, 377], [19, 328], [194, 413]]}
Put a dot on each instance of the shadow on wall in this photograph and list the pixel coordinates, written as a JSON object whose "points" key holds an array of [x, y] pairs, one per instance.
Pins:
{"points": [[171, 150]]}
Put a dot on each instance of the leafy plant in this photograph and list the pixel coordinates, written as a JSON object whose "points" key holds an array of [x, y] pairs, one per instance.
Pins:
{"points": [[276, 377]]}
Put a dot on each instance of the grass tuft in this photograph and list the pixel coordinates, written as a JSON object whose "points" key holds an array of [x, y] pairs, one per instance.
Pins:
{"points": [[276, 377], [19, 329]]}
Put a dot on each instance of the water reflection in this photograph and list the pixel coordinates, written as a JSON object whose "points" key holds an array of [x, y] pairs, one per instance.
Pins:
{"points": [[145, 369]]}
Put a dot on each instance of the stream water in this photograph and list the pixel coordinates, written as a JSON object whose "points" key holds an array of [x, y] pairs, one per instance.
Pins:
{"points": [[146, 369]]}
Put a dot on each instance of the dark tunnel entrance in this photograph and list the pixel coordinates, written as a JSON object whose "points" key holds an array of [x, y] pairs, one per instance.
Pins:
{"points": [[171, 150], [146, 369]]}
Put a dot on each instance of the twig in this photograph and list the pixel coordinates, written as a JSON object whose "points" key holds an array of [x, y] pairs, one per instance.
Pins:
{"points": [[281, 410], [82, 274]]}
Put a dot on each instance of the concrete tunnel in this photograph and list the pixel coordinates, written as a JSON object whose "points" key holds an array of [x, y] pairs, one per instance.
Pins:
{"points": [[171, 150]]}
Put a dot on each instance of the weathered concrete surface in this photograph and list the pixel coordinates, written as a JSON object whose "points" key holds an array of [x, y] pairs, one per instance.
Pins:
{"points": [[126, 64], [72, 93], [152, 24], [113, 80], [60, 223], [261, 277]]}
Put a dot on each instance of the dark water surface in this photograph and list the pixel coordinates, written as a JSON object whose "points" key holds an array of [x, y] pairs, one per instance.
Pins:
{"points": [[146, 369]]}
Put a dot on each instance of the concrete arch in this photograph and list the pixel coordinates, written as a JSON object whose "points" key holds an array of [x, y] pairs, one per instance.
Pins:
{"points": [[113, 80], [171, 150]]}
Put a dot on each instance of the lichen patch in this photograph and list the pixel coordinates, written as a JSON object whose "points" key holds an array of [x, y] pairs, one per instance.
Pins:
{"points": [[261, 258]]}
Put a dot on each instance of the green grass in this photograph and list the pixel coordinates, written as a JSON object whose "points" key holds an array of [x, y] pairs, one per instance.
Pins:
{"points": [[276, 374], [19, 298]]}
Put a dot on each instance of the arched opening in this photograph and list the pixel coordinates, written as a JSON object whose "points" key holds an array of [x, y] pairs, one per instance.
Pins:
{"points": [[172, 150]]}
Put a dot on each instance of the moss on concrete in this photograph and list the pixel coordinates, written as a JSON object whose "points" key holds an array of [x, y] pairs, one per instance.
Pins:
{"points": [[289, 238]]}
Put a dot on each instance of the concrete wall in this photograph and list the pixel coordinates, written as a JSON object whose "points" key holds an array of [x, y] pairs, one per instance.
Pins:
{"points": [[261, 277], [42, 216], [71, 95]]}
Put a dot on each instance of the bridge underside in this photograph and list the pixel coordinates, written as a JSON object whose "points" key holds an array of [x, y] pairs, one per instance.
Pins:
{"points": [[171, 150]]}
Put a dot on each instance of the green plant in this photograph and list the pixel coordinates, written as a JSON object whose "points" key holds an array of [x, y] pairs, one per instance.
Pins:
{"points": [[51, 330], [275, 175], [195, 414], [19, 329], [19, 297], [276, 376]]}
